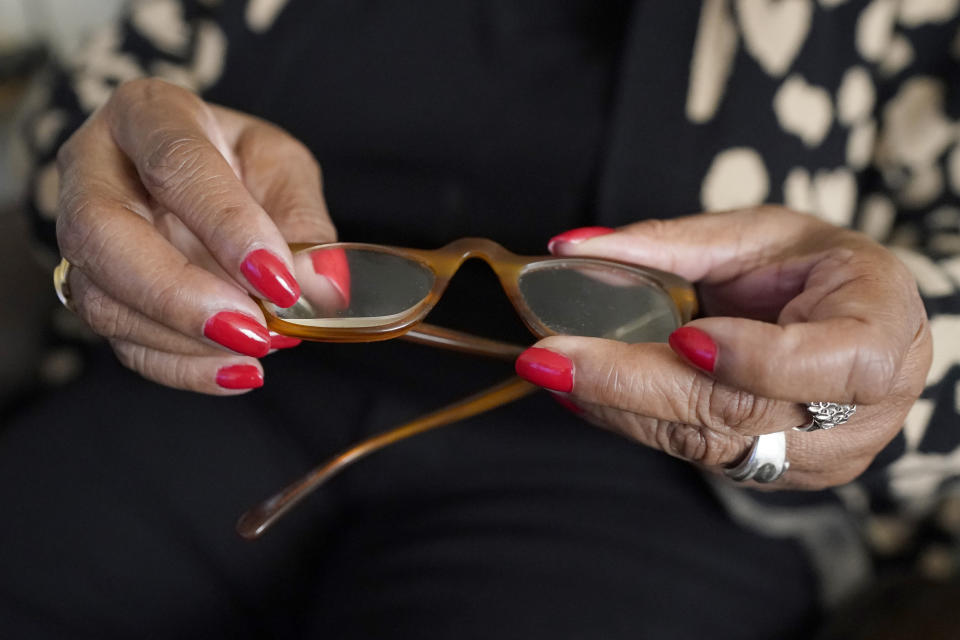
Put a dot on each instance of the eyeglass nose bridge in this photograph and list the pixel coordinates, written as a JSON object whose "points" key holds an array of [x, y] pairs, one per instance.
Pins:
{"points": [[483, 248], [507, 265]]}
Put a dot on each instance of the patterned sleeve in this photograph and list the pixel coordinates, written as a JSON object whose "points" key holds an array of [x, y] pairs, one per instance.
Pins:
{"points": [[855, 118], [182, 41], [912, 203]]}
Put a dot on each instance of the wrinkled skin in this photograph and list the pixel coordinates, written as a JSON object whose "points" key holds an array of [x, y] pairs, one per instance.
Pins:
{"points": [[162, 196], [800, 311]]}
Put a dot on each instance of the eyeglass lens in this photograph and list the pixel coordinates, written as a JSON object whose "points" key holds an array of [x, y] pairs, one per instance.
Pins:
{"points": [[598, 300], [360, 287], [355, 287]]}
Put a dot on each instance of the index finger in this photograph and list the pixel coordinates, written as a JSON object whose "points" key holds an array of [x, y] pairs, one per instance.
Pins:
{"points": [[650, 380], [180, 153]]}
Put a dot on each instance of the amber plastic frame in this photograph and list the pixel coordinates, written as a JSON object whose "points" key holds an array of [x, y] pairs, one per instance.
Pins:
{"points": [[444, 262]]}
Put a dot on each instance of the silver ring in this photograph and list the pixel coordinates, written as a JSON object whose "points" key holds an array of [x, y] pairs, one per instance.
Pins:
{"points": [[60, 284], [765, 462], [827, 415]]}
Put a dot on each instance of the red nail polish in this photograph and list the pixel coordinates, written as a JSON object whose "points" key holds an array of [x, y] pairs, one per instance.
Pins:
{"points": [[332, 264], [240, 376], [577, 235], [278, 341], [546, 369], [238, 332], [696, 347], [568, 404], [268, 275]]}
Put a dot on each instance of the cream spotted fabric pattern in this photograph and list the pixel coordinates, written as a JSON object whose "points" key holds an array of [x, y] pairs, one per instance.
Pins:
{"points": [[880, 134]]}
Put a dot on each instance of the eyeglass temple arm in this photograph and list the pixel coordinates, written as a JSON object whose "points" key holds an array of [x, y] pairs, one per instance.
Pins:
{"points": [[435, 336], [257, 520]]}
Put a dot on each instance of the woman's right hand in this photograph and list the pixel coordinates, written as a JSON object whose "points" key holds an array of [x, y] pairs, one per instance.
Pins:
{"points": [[171, 212]]}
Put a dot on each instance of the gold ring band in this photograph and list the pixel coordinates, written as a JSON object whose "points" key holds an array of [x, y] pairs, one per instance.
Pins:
{"points": [[60, 284]]}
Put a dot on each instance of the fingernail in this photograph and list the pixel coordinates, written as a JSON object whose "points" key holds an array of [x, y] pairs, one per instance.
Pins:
{"points": [[278, 341], [696, 347], [240, 376], [568, 404], [238, 332], [546, 369], [577, 235], [332, 265], [268, 275]]}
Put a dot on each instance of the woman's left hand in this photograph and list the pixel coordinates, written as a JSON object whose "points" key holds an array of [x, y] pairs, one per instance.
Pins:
{"points": [[797, 310]]}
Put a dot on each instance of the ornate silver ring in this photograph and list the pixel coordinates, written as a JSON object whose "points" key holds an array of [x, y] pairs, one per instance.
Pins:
{"points": [[827, 415]]}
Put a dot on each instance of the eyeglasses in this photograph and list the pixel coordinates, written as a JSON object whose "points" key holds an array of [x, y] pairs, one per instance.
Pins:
{"points": [[353, 292]]}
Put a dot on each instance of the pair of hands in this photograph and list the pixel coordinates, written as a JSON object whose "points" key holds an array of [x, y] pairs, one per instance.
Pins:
{"points": [[172, 211]]}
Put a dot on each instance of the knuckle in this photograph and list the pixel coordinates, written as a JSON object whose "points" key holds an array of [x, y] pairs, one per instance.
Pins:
{"points": [[178, 372], [681, 440], [708, 404], [130, 355], [165, 300], [696, 444], [138, 91], [872, 374], [738, 409], [172, 159], [97, 311], [109, 318], [163, 368], [80, 229], [225, 225], [612, 384]]}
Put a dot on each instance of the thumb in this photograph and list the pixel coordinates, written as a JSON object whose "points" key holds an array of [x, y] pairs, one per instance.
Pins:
{"points": [[709, 247]]}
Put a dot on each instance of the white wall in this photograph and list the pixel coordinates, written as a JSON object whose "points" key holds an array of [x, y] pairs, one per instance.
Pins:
{"points": [[61, 22], [13, 24]]}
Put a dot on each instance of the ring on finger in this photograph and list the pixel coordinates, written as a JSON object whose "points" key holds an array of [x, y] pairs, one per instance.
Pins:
{"points": [[61, 284], [765, 462], [827, 415]]}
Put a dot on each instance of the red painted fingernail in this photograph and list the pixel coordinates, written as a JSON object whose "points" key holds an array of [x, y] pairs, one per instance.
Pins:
{"points": [[696, 347], [568, 404], [278, 341], [546, 369], [577, 235], [332, 265], [238, 332], [268, 275], [240, 376]]}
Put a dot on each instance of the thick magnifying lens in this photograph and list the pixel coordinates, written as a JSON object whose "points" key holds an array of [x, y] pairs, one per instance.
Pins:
{"points": [[591, 298], [355, 287]]}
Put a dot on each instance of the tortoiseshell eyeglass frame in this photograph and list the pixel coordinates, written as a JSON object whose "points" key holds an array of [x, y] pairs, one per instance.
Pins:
{"points": [[443, 263]]}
